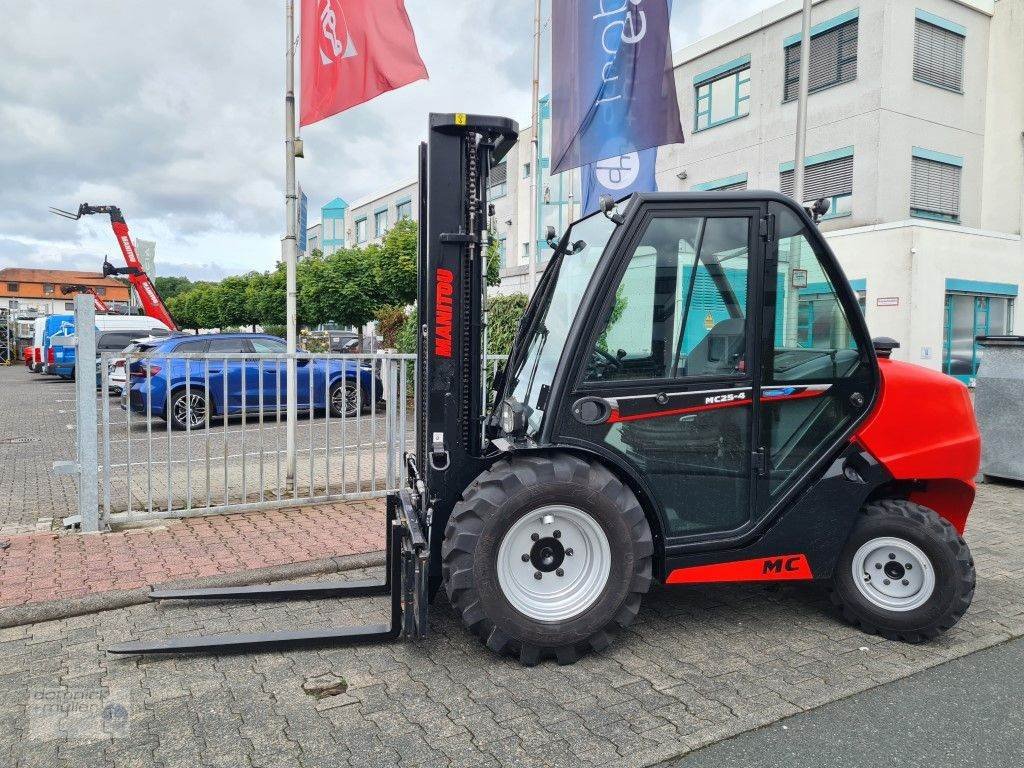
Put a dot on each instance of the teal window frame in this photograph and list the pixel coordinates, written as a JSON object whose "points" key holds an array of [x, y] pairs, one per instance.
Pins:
{"points": [[497, 191], [845, 20], [365, 228], [945, 159], [833, 209], [738, 69], [403, 206]]}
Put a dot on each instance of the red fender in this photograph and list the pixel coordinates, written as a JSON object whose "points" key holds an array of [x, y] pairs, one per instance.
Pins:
{"points": [[923, 429]]}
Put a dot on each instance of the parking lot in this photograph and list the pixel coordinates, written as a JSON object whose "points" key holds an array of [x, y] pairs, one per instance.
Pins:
{"points": [[699, 665], [154, 468]]}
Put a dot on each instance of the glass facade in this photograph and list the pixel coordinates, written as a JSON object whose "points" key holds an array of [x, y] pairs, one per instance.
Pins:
{"points": [[969, 315]]}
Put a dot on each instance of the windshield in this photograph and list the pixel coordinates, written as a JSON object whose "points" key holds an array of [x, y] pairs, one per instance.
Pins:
{"points": [[556, 313]]}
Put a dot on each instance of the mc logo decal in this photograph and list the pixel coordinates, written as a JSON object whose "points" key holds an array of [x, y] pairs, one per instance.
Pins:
{"points": [[776, 568]]}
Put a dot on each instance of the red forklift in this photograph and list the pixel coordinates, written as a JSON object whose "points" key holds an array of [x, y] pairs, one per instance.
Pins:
{"points": [[692, 397]]}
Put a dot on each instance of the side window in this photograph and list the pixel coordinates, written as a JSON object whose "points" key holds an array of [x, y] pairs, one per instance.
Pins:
{"points": [[680, 308], [812, 361], [267, 345], [813, 339], [191, 347], [227, 345]]}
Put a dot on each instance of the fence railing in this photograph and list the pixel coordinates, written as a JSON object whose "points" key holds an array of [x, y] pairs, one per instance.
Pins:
{"points": [[186, 434]]}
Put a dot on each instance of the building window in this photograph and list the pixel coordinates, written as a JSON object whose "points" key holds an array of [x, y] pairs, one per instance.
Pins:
{"points": [[939, 52], [403, 210], [13, 287], [69, 305], [737, 182], [723, 94], [526, 170], [48, 289], [380, 223], [498, 182], [828, 175], [361, 230], [526, 253], [502, 253], [969, 315], [935, 185], [833, 56]]}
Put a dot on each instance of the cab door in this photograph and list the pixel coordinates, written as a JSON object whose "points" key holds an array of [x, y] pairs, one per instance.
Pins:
{"points": [[666, 381]]}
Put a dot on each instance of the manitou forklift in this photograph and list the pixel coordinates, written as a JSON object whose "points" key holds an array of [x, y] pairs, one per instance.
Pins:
{"points": [[691, 398]]}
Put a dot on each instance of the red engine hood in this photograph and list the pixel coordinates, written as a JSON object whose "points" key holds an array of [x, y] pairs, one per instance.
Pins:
{"points": [[923, 428]]}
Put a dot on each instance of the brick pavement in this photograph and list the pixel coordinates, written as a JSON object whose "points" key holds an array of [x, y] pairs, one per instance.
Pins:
{"points": [[41, 567], [699, 665]]}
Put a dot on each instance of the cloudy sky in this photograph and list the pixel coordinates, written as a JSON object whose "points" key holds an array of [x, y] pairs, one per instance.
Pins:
{"points": [[174, 112]]}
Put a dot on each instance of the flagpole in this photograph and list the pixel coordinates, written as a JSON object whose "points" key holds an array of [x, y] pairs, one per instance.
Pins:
{"points": [[290, 244], [533, 252]]}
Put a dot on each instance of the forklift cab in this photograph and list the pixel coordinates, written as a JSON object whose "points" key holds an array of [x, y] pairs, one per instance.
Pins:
{"points": [[705, 346]]}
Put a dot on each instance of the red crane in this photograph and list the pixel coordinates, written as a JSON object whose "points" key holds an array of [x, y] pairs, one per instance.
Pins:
{"points": [[151, 301]]}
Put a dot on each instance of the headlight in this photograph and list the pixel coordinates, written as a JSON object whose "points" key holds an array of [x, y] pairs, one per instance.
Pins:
{"points": [[513, 417]]}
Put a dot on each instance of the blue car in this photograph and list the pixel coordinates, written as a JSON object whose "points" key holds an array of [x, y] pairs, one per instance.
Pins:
{"points": [[341, 386]]}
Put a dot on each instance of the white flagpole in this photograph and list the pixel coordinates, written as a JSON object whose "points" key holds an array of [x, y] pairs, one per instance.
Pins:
{"points": [[290, 243]]}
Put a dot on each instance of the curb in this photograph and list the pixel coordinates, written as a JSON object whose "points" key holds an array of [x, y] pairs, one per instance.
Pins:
{"points": [[51, 610]]}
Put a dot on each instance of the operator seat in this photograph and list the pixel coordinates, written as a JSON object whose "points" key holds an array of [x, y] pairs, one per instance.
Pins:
{"points": [[720, 350]]}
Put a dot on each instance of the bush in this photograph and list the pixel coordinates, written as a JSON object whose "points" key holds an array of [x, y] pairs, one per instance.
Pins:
{"points": [[405, 339], [503, 316], [390, 321]]}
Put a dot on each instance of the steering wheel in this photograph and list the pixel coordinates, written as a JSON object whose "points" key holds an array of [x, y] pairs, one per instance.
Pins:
{"points": [[602, 363]]}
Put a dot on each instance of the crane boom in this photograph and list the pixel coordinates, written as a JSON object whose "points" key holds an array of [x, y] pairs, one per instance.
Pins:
{"points": [[101, 306], [151, 302]]}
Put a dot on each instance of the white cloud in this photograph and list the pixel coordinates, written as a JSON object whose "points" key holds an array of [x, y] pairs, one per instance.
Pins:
{"points": [[174, 111]]}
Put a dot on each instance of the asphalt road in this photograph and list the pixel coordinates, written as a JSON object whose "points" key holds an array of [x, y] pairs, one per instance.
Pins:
{"points": [[967, 712]]}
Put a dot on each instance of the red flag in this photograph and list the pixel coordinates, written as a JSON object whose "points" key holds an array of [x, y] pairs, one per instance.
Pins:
{"points": [[353, 51]]}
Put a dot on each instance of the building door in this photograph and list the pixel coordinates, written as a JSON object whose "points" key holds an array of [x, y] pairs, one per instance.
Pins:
{"points": [[968, 316]]}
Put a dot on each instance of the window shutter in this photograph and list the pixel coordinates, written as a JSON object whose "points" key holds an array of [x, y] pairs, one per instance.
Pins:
{"points": [[935, 187], [938, 56], [498, 175], [833, 60], [740, 185], [828, 179]]}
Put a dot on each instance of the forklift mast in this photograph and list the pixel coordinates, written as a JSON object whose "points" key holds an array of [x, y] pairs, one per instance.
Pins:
{"points": [[455, 163], [151, 302]]}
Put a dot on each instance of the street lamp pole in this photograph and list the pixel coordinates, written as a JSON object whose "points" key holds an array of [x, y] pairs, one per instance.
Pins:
{"points": [[290, 244]]}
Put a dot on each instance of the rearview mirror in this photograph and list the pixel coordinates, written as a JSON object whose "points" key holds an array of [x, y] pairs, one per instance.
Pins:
{"points": [[607, 205], [551, 236]]}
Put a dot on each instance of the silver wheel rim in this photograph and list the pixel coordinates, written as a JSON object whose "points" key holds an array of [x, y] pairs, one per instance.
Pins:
{"points": [[893, 574], [574, 565], [344, 399], [190, 409]]}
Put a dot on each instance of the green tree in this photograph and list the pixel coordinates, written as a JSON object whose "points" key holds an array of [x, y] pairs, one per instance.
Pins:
{"points": [[340, 288], [265, 295], [395, 264], [169, 287], [233, 302], [503, 316]]}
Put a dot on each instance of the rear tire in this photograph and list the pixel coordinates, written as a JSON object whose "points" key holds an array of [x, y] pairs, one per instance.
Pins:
{"points": [[345, 398], [503, 534], [179, 411], [905, 573]]}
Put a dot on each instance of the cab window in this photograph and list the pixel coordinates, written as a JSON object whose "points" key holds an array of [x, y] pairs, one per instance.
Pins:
{"points": [[680, 308]]}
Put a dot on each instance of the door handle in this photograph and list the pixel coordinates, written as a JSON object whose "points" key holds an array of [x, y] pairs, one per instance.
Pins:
{"points": [[591, 410]]}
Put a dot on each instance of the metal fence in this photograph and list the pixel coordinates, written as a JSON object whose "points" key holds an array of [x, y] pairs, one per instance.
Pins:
{"points": [[179, 435]]}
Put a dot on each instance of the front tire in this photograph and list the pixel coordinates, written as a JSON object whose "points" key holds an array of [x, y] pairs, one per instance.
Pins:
{"points": [[905, 573], [568, 521], [347, 398]]}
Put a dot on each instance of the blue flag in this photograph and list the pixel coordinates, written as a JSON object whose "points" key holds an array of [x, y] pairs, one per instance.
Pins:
{"points": [[613, 87], [618, 177]]}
